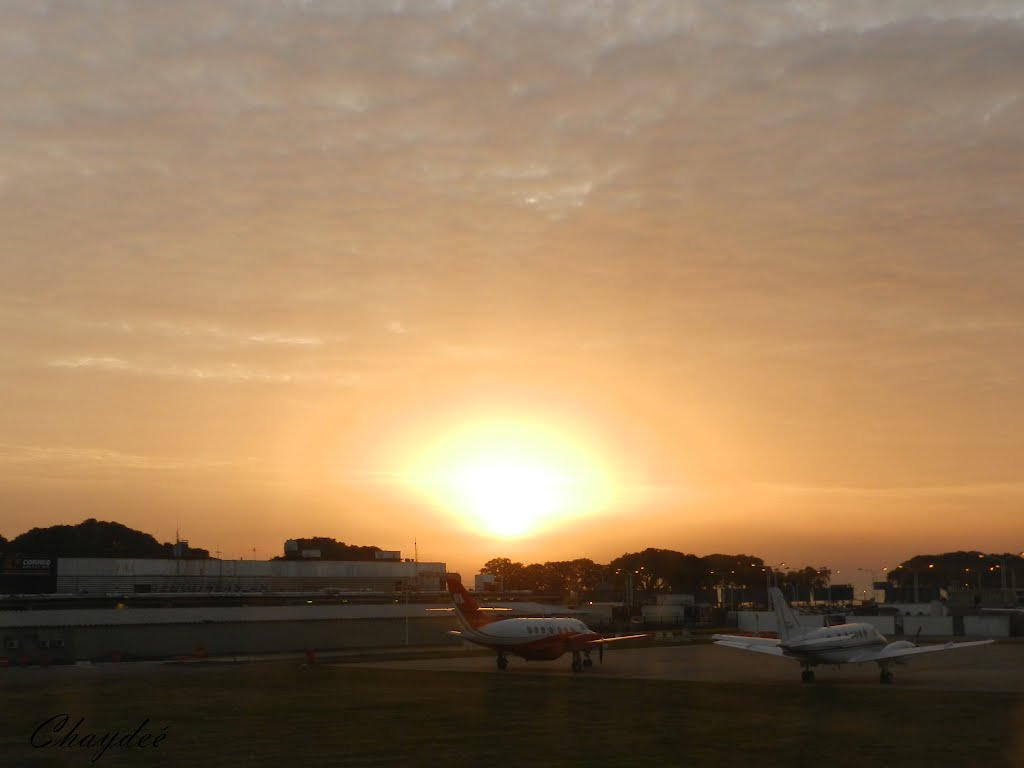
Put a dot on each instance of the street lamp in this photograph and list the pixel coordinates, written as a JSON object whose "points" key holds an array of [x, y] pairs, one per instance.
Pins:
{"points": [[1001, 567]]}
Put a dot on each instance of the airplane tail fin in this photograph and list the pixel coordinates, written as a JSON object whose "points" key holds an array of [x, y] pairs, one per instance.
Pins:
{"points": [[785, 617], [466, 607]]}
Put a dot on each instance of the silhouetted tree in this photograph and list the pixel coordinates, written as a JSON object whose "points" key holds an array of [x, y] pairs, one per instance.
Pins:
{"points": [[90, 538], [956, 570], [652, 570], [331, 549], [504, 571], [572, 577], [735, 571], [533, 577]]}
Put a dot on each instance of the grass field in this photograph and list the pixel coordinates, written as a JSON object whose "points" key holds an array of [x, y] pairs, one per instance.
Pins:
{"points": [[287, 713]]}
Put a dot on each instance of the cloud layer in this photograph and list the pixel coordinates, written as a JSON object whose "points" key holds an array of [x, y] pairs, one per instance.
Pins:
{"points": [[776, 246]]}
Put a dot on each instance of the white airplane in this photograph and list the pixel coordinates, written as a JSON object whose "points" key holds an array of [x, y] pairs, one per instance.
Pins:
{"points": [[533, 639], [839, 644]]}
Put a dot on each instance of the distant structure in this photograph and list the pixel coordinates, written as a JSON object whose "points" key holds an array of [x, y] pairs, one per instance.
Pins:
{"points": [[485, 582], [127, 576]]}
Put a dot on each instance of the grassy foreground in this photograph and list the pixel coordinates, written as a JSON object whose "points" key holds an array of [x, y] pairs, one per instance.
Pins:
{"points": [[285, 713]]}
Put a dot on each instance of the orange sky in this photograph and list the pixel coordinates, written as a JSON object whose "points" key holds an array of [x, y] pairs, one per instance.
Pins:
{"points": [[761, 267]]}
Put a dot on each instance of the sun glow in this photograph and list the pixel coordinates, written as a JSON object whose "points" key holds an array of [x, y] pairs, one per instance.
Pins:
{"points": [[512, 480]]}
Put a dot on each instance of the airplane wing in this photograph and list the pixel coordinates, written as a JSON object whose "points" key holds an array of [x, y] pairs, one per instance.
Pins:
{"points": [[606, 640], [767, 645], [583, 642], [890, 652]]}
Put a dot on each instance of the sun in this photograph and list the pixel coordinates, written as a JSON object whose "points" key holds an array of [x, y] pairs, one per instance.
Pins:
{"points": [[512, 479]]}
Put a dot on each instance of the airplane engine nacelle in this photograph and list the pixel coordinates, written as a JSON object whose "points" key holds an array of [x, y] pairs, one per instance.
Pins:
{"points": [[899, 645]]}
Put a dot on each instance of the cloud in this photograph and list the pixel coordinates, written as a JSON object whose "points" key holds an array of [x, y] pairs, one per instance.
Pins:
{"points": [[227, 372], [798, 222], [969, 490], [101, 458]]}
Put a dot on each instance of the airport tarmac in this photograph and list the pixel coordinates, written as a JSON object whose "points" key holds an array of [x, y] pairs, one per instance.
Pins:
{"points": [[996, 667]]}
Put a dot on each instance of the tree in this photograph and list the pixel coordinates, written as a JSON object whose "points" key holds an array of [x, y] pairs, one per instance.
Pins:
{"points": [[735, 571], [504, 571], [533, 577], [90, 538], [955, 570], [330, 549], [649, 571], [572, 577]]}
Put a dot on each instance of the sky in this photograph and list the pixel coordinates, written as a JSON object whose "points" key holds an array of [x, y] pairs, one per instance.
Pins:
{"points": [[707, 276]]}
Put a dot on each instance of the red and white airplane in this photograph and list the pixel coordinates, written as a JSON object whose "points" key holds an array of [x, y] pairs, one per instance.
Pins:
{"points": [[835, 645], [533, 639]]}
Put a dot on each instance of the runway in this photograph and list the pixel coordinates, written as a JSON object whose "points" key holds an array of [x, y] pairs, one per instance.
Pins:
{"points": [[996, 668]]}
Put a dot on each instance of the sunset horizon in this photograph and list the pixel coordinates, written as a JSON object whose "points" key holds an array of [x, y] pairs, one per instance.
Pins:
{"points": [[516, 279]]}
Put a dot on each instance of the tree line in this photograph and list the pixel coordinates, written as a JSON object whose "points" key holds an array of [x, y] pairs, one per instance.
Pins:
{"points": [[93, 538], [650, 571], [664, 570], [99, 538]]}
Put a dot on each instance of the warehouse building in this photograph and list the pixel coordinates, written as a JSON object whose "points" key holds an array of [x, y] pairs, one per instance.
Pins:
{"points": [[128, 576]]}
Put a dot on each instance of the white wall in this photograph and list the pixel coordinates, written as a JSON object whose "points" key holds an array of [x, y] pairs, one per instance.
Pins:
{"points": [[884, 624], [764, 621], [936, 626], [987, 626]]}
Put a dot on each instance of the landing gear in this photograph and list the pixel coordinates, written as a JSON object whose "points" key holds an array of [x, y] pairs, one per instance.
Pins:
{"points": [[884, 676], [587, 661], [577, 662], [807, 675], [502, 661]]}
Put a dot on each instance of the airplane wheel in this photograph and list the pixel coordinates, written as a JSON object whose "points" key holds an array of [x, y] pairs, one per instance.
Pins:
{"points": [[588, 663], [885, 676], [807, 676], [577, 665], [502, 662]]}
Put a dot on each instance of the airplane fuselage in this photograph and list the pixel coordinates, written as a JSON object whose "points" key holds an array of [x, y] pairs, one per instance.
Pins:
{"points": [[835, 645], [534, 639]]}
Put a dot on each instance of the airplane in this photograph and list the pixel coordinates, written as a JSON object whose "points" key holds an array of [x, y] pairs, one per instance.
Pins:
{"points": [[838, 644], [533, 639]]}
